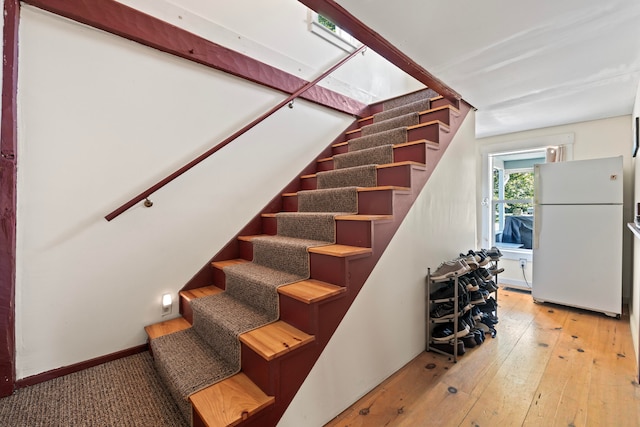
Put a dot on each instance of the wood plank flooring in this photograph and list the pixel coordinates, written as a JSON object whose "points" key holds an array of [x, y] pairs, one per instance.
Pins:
{"points": [[549, 365]]}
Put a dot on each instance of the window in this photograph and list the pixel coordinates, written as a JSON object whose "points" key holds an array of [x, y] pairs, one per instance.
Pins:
{"points": [[512, 198], [507, 212], [329, 31]]}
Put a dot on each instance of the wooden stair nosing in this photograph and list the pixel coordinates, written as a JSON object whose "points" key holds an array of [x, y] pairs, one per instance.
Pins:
{"points": [[311, 291], [230, 401], [227, 262], [275, 339], [192, 294], [167, 327]]}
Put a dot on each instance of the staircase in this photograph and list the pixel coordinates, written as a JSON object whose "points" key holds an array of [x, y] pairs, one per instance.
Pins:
{"points": [[275, 358]]}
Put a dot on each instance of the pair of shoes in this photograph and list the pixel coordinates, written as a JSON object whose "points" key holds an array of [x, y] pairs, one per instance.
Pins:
{"points": [[494, 253], [448, 291], [471, 261], [481, 256], [484, 273], [448, 347], [489, 306], [469, 281], [490, 286], [449, 269], [446, 310], [446, 331]]}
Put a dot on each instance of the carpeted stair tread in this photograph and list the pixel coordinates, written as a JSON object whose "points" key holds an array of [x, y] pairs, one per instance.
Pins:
{"points": [[187, 364], [328, 200], [430, 144], [363, 217], [416, 106], [275, 339], [167, 327], [356, 176], [311, 290], [391, 136], [319, 226], [279, 252], [405, 120], [229, 402], [380, 166], [369, 156], [409, 98]]}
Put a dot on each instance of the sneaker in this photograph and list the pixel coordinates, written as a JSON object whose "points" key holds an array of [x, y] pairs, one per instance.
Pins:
{"points": [[494, 253], [446, 331], [476, 313], [478, 335], [476, 298], [443, 311], [449, 269], [469, 340], [471, 282], [448, 291], [490, 286], [448, 347], [470, 260], [481, 256], [484, 273], [490, 306]]}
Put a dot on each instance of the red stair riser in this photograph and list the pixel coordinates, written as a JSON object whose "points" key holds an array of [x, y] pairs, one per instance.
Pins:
{"points": [[429, 132], [411, 153], [219, 278], [325, 165], [340, 149], [263, 373], [444, 101], [269, 225], [185, 310], [246, 250], [396, 176], [299, 314], [354, 233], [309, 183], [328, 269], [290, 203], [375, 202]]}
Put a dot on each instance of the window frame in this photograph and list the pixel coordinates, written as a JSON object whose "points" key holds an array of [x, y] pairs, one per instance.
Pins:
{"points": [[339, 38]]}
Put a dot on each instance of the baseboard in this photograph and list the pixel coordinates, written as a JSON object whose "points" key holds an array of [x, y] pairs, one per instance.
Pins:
{"points": [[515, 284], [66, 370]]}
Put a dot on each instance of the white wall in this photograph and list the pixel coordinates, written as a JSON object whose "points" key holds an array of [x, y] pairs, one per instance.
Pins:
{"points": [[385, 327], [593, 139], [275, 32]]}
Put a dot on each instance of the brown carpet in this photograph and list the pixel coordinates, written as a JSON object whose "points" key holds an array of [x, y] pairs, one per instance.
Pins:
{"points": [[381, 155], [357, 176], [124, 393], [389, 137], [420, 105], [410, 119]]}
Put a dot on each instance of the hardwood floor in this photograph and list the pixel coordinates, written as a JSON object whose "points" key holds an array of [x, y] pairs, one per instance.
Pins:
{"points": [[549, 365]]}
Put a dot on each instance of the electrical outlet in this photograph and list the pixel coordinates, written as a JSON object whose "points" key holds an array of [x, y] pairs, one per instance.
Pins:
{"points": [[523, 262]]}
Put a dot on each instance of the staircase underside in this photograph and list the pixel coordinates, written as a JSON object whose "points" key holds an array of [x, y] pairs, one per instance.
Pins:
{"points": [[366, 204]]}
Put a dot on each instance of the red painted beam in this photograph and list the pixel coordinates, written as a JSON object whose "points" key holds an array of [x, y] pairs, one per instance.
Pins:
{"points": [[379, 44], [124, 21], [8, 157]]}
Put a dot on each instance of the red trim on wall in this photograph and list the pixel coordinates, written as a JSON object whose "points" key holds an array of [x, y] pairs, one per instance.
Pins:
{"points": [[124, 21], [379, 44], [66, 370], [8, 157]]}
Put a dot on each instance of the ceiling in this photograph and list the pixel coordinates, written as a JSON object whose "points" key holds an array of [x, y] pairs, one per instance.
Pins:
{"points": [[522, 65]]}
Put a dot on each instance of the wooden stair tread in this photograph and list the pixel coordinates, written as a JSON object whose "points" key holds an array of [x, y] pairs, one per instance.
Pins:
{"points": [[275, 339], [311, 291], [402, 144], [230, 401], [192, 294], [228, 262], [356, 217], [341, 251], [167, 327], [445, 127], [247, 238]]}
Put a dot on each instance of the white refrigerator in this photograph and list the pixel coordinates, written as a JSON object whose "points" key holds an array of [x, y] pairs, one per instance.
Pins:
{"points": [[578, 226]]}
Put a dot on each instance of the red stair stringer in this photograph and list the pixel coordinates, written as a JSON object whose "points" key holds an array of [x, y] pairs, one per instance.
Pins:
{"points": [[284, 376]]}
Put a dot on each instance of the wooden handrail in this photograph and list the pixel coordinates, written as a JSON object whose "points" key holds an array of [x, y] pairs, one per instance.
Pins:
{"points": [[145, 194]]}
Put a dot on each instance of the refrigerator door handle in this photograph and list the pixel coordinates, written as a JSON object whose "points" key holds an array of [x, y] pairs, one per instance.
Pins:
{"points": [[536, 225]]}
